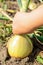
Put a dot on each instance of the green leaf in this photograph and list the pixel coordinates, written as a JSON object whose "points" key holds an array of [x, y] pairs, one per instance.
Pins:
{"points": [[25, 4], [19, 3], [31, 35], [1, 15], [4, 6], [1, 24], [40, 38], [1, 0], [39, 59], [4, 18], [40, 29]]}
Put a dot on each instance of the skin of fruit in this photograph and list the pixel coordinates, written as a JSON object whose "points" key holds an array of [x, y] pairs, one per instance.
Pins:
{"points": [[19, 46]]}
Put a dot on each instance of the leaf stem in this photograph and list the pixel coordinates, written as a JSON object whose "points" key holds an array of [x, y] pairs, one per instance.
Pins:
{"points": [[5, 14]]}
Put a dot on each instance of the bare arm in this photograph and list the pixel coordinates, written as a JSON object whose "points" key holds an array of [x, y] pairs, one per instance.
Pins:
{"points": [[27, 22]]}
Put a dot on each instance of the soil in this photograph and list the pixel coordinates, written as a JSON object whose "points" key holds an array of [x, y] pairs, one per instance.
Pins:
{"points": [[5, 59]]}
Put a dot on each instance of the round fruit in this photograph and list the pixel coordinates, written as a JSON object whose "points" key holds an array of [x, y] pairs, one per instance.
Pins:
{"points": [[19, 46]]}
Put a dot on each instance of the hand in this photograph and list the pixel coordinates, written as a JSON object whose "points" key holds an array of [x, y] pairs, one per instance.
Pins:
{"points": [[19, 25], [24, 22]]}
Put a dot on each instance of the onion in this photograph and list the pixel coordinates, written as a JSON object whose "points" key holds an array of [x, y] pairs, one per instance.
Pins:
{"points": [[19, 46]]}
